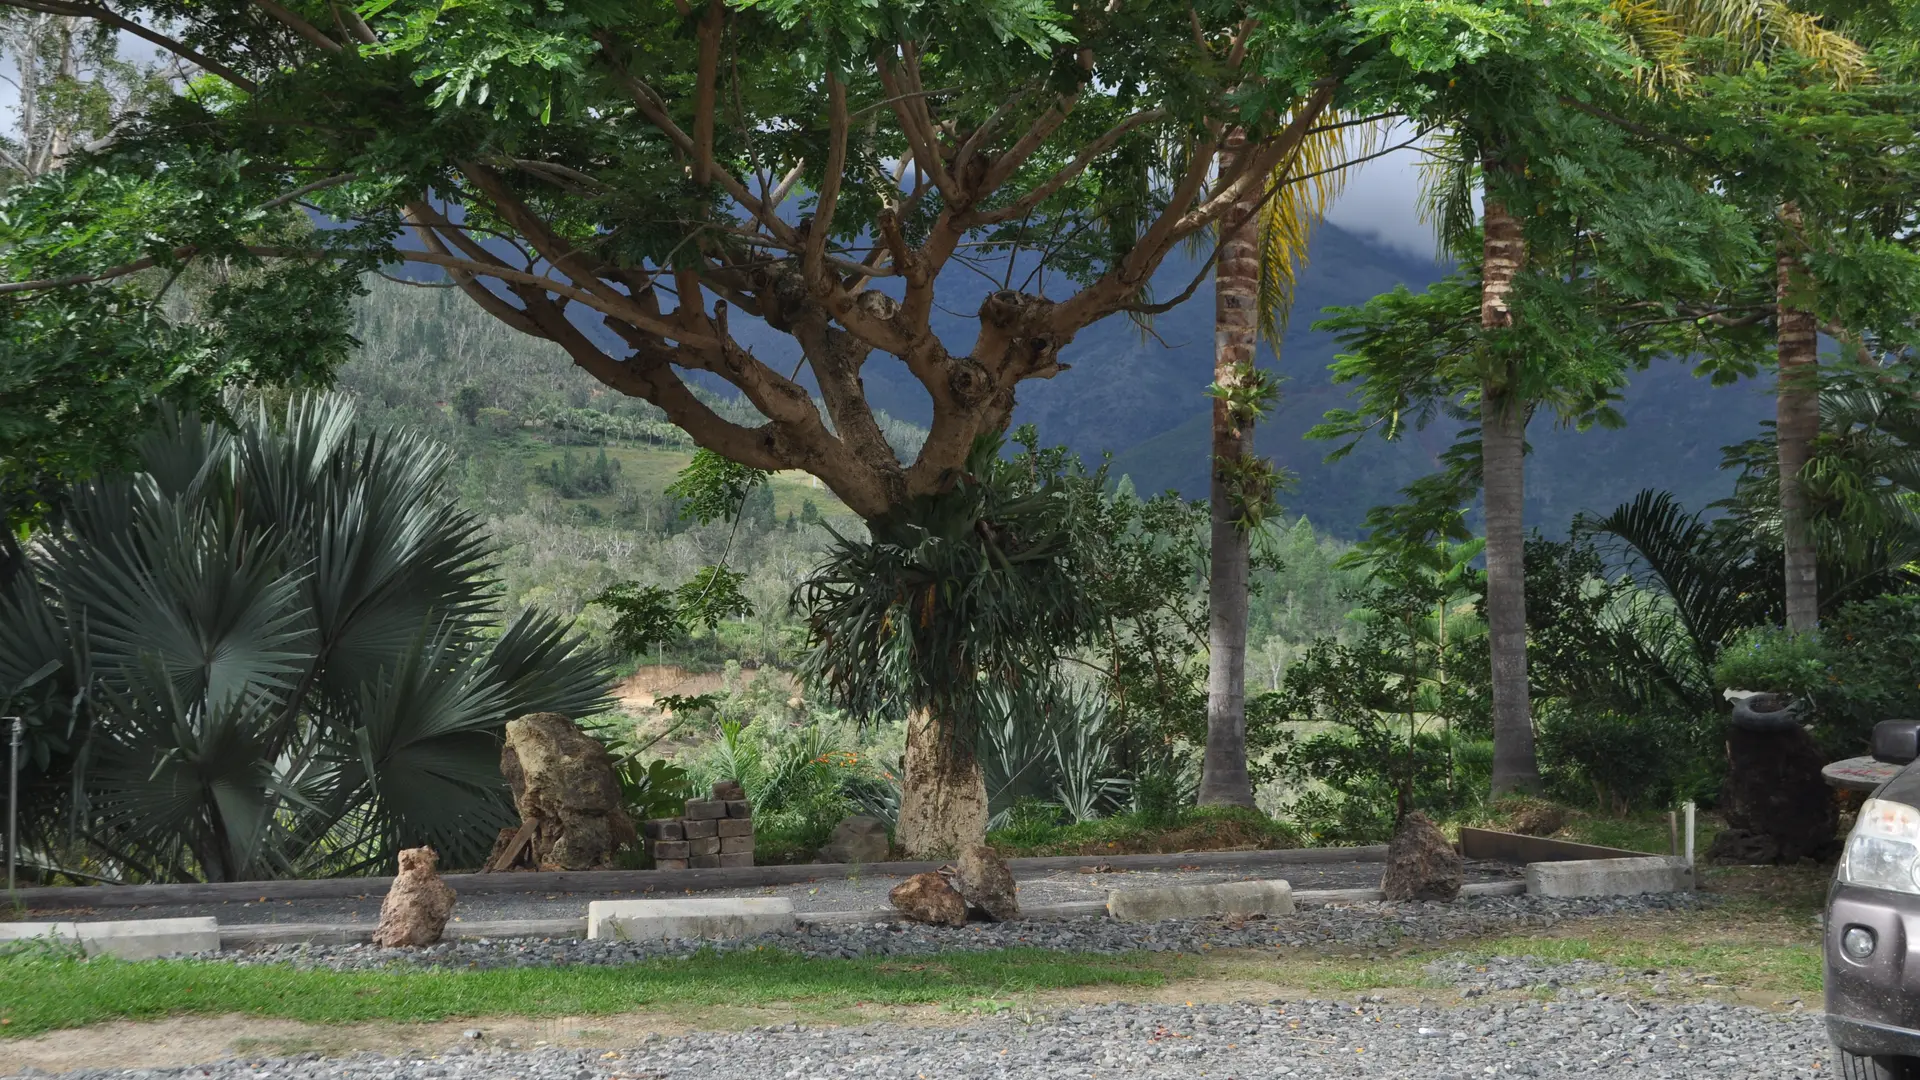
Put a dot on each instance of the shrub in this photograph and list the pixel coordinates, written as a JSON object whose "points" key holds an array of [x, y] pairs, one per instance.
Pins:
{"points": [[272, 650], [1619, 760], [1862, 667], [1775, 659], [1873, 648]]}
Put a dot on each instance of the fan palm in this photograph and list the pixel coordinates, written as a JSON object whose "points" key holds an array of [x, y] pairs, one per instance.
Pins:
{"points": [[267, 651]]}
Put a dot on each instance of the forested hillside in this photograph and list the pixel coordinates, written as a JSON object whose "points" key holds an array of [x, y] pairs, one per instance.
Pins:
{"points": [[573, 475], [572, 480], [1133, 392]]}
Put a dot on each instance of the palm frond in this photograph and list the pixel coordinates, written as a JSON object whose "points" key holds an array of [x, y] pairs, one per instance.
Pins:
{"points": [[1305, 185], [1448, 172]]}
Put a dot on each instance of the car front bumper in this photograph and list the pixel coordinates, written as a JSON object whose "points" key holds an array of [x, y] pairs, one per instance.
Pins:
{"points": [[1873, 1005]]}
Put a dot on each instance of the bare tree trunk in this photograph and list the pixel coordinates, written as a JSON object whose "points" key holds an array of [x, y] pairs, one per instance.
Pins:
{"points": [[1797, 424], [1223, 776], [943, 794], [1503, 428]]}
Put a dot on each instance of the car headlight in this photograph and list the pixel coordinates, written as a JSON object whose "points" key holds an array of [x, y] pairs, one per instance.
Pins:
{"points": [[1883, 851]]}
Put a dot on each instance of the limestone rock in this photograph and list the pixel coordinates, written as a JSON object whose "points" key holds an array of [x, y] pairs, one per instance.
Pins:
{"points": [[418, 904], [1421, 865], [564, 786], [929, 898], [858, 839], [986, 884]]}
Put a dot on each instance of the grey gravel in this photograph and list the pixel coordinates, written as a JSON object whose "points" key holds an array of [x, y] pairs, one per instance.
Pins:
{"points": [[1594, 1036], [1355, 929]]}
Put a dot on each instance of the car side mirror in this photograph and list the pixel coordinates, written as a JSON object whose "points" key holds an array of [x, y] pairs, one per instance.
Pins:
{"points": [[1896, 742]]}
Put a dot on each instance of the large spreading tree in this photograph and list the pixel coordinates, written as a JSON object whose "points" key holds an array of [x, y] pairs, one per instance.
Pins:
{"points": [[766, 194]]}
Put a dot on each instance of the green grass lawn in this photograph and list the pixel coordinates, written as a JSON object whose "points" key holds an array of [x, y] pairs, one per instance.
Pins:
{"points": [[1760, 940], [41, 992]]}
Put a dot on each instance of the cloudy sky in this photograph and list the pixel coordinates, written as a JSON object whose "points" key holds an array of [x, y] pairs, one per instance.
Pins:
{"points": [[1381, 200]]}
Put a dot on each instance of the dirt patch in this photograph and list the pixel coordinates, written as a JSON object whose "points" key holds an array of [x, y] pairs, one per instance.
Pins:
{"points": [[639, 690], [196, 1040]]}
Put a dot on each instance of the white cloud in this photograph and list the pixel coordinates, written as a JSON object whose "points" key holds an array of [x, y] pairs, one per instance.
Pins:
{"points": [[1381, 200]]}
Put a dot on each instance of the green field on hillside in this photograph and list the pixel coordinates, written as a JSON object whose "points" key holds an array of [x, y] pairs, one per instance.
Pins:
{"points": [[651, 468]]}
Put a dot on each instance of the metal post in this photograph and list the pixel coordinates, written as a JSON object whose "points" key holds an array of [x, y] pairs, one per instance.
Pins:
{"points": [[1689, 832], [13, 799]]}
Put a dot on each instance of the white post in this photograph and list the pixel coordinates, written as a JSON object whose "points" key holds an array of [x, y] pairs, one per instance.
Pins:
{"points": [[1689, 833]]}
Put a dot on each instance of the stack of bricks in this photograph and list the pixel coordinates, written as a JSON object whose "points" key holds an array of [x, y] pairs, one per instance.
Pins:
{"points": [[712, 832]]}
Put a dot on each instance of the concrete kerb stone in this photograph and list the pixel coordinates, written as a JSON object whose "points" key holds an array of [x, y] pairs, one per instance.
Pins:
{"points": [[1201, 901], [1610, 877], [127, 939], [643, 920]]}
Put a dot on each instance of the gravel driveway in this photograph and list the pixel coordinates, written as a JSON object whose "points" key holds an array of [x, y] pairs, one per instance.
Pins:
{"points": [[1361, 929], [825, 894], [1606, 1030]]}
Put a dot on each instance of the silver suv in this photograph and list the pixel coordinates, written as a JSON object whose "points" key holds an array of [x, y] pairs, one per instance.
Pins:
{"points": [[1873, 924]]}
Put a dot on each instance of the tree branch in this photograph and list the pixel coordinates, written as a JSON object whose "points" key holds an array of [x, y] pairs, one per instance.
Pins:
{"points": [[654, 110], [300, 26], [120, 22], [829, 195], [705, 89], [489, 301], [1066, 175]]}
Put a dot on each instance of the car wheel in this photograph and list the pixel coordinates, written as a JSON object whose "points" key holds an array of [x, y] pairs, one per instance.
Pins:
{"points": [[1861, 1067]]}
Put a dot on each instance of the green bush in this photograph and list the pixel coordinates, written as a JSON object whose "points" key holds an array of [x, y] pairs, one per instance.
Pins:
{"points": [[1873, 648], [1775, 659], [1620, 761], [1862, 667]]}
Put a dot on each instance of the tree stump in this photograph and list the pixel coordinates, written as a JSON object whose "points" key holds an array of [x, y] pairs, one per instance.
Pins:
{"points": [[1777, 805]]}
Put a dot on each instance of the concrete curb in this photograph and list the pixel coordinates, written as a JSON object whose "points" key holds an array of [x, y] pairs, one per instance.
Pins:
{"points": [[720, 917], [1201, 901], [127, 939], [262, 935], [1610, 877]]}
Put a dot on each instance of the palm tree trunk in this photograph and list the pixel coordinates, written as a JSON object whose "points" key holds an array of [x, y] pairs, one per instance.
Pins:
{"points": [[1503, 427], [943, 794], [1797, 424], [1223, 776]]}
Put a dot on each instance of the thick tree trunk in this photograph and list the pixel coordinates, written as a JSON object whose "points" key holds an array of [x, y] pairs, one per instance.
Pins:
{"points": [[1503, 428], [943, 795], [1797, 424], [1223, 776]]}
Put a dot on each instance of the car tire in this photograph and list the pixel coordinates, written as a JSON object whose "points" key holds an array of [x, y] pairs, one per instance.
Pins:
{"points": [[1861, 1067]]}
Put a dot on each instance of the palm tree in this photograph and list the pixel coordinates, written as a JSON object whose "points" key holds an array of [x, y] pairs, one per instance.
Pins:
{"points": [[1262, 243], [1796, 425], [270, 650], [1659, 32]]}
